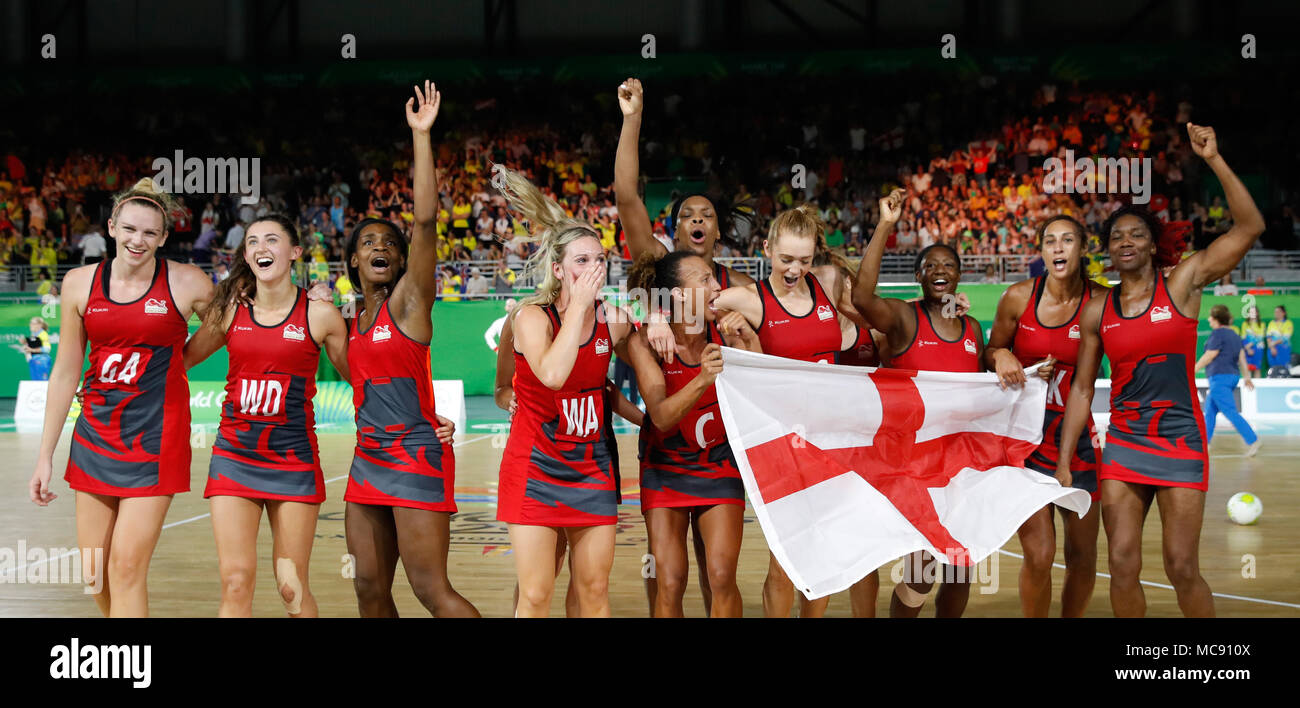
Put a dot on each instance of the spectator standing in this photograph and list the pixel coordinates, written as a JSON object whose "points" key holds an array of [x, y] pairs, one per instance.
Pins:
{"points": [[337, 212], [93, 246], [1224, 362], [203, 247], [234, 237], [504, 280], [1252, 341], [1278, 335]]}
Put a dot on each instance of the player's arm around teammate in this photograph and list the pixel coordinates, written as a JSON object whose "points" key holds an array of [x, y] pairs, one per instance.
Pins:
{"points": [[685, 470], [131, 311], [265, 456], [1152, 358], [401, 486], [564, 338], [1023, 334], [696, 221]]}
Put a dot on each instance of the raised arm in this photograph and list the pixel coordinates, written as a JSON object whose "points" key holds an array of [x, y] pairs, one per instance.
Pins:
{"points": [[627, 173], [422, 257], [884, 314], [1078, 403], [1225, 252]]}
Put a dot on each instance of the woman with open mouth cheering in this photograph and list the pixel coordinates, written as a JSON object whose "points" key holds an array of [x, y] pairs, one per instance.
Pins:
{"points": [[265, 455], [1156, 443]]}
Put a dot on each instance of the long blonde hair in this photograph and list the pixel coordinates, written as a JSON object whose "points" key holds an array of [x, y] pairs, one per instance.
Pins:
{"points": [[147, 193], [549, 226]]}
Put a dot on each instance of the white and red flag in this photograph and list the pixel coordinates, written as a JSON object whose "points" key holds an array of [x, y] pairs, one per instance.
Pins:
{"points": [[849, 468]]}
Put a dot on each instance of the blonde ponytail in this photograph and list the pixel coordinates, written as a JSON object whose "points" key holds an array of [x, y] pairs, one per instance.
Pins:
{"points": [[147, 193], [549, 227]]}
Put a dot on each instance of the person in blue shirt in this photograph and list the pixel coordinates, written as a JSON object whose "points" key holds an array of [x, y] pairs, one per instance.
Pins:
{"points": [[1224, 362]]}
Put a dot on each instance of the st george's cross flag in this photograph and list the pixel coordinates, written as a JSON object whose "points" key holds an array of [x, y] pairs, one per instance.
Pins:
{"points": [[849, 468]]}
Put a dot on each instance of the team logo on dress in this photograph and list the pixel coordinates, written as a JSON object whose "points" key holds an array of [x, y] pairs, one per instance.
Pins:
{"points": [[294, 332], [381, 334], [92, 310], [824, 312], [970, 346], [154, 306], [602, 346], [1159, 313], [1074, 331]]}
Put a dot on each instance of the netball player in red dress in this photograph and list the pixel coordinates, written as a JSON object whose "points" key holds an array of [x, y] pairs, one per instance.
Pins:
{"points": [[265, 454], [697, 225], [822, 330], [130, 447], [401, 489], [696, 221], [504, 395], [687, 467], [557, 472], [930, 334], [1156, 443], [1038, 320]]}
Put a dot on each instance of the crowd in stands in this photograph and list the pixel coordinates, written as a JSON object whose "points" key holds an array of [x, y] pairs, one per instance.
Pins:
{"points": [[971, 156]]}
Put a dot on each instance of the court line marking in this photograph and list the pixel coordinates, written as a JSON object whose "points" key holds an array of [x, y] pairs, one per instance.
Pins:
{"points": [[14, 571], [1170, 587], [463, 443]]}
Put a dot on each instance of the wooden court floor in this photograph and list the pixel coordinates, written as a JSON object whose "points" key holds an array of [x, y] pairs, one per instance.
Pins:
{"points": [[183, 577]]}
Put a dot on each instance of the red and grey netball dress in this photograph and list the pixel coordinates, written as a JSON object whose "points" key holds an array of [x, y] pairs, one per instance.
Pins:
{"points": [[862, 352], [399, 460], [133, 436], [690, 464], [1032, 342], [266, 443], [813, 336], [1157, 432], [557, 469], [930, 352]]}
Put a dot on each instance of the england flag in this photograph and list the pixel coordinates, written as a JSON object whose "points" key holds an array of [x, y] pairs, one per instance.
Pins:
{"points": [[849, 468]]}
